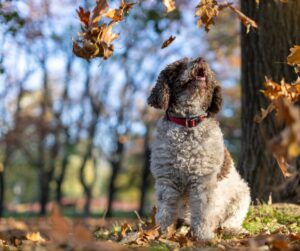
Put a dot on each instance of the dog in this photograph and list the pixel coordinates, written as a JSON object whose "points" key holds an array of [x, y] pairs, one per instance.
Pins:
{"points": [[195, 177]]}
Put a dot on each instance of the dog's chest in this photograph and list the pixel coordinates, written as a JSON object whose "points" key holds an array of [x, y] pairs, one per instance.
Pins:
{"points": [[185, 146]]}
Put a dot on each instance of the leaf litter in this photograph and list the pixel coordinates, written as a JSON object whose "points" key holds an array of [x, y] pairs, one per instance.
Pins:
{"points": [[59, 233]]}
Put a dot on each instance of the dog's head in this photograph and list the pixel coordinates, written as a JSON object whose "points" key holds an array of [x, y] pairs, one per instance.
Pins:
{"points": [[187, 87]]}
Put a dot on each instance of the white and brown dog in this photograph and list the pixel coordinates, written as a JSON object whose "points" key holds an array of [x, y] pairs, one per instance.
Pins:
{"points": [[195, 177]]}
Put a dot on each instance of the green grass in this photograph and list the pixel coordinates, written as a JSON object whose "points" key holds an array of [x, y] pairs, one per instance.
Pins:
{"points": [[265, 218]]}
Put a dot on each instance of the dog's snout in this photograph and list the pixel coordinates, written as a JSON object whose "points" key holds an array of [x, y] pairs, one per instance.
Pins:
{"points": [[199, 60]]}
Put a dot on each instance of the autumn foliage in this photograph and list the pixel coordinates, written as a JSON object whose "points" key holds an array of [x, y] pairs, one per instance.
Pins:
{"points": [[283, 96], [97, 36]]}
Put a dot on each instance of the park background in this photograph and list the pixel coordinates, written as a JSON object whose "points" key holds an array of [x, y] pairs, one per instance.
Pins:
{"points": [[78, 133]]}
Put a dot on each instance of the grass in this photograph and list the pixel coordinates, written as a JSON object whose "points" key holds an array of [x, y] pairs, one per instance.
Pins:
{"points": [[268, 226], [270, 218]]}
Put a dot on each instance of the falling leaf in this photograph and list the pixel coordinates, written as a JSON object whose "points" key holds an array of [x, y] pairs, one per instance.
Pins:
{"points": [[206, 11], [99, 10], [96, 39], [115, 14], [264, 113], [169, 5], [294, 57], [168, 42], [83, 16], [247, 21], [126, 6], [294, 150]]}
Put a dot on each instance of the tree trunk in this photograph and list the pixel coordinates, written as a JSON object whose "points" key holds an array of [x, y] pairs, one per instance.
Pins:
{"points": [[116, 166], [264, 53], [146, 173], [2, 192], [61, 178]]}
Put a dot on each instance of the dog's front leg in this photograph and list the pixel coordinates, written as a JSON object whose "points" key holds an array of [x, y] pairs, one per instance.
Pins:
{"points": [[167, 203], [202, 216]]}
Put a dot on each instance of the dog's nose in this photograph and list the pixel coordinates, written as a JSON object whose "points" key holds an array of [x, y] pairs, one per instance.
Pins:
{"points": [[199, 60]]}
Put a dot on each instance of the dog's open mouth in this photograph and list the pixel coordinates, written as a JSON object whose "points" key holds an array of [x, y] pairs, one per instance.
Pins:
{"points": [[200, 74]]}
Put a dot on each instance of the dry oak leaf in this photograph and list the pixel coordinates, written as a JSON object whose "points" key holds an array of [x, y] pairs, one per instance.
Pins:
{"points": [[294, 57], [99, 10], [207, 10], [247, 21], [168, 42], [117, 15], [35, 237], [169, 5], [83, 16]]}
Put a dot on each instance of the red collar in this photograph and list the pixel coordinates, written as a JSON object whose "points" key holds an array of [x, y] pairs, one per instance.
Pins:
{"points": [[187, 122]]}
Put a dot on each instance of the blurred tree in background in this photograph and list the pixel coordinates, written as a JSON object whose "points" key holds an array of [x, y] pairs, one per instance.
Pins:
{"points": [[70, 128], [279, 25]]}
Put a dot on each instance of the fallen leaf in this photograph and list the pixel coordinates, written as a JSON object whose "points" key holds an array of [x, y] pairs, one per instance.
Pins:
{"points": [[82, 235], [35, 237], [279, 245], [169, 5], [168, 42], [60, 226]]}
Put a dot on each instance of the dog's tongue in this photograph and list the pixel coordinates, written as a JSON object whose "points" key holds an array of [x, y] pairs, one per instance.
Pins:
{"points": [[200, 78]]}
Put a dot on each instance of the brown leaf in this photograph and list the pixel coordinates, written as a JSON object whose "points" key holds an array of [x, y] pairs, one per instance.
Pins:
{"points": [[294, 57], [35, 237], [82, 235], [168, 42], [247, 21], [60, 226], [169, 5], [207, 10], [126, 6], [264, 113], [99, 10], [83, 16], [152, 216], [115, 14], [280, 245]]}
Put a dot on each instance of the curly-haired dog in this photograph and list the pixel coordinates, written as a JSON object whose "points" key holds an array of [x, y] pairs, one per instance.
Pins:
{"points": [[195, 177]]}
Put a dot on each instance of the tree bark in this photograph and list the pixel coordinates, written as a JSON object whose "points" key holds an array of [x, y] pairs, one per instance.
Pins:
{"points": [[264, 53], [2, 187], [146, 172], [116, 164]]}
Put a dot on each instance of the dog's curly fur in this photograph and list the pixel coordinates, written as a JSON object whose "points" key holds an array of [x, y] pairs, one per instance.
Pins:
{"points": [[195, 177]]}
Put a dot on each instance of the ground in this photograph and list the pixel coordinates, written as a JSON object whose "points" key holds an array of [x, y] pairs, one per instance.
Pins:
{"points": [[270, 227]]}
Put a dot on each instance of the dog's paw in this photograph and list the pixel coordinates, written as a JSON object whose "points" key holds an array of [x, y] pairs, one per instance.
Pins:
{"points": [[235, 231], [203, 234]]}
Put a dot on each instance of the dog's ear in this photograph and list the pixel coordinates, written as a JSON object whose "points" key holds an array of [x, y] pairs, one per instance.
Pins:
{"points": [[160, 94], [216, 102]]}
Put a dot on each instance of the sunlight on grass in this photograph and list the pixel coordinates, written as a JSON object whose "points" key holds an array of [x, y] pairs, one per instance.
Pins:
{"points": [[266, 218]]}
